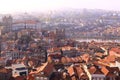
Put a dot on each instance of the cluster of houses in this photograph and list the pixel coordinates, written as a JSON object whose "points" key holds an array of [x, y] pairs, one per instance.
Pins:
{"points": [[31, 54]]}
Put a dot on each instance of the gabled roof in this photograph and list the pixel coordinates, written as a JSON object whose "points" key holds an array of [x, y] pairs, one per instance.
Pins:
{"points": [[71, 60], [46, 69], [95, 70], [111, 58], [81, 73], [117, 50], [86, 57], [4, 70], [71, 70], [99, 54], [20, 78], [109, 71], [105, 70], [77, 71]]}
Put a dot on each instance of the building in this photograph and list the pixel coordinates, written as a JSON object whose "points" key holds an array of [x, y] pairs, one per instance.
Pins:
{"points": [[5, 74], [11, 54], [19, 70], [76, 72], [28, 24], [60, 34], [7, 22], [44, 72], [96, 73], [1, 29]]}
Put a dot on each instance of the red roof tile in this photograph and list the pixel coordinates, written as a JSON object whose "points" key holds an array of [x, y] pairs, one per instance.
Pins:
{"points": [[20, 78], [27, 22], [81, 73], [117, 50], [109, 71], [86, 57], [71, 70], [46, 68], [92, 70], [105, 70]]}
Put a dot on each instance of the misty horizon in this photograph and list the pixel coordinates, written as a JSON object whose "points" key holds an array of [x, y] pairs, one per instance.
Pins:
{"points": [[15, 6]]}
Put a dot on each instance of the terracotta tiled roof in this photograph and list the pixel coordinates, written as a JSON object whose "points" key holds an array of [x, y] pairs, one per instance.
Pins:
{"points": [[47, 68], [109, 71], [85, 77], [99, 54], [71, 60], [20, 78], [86, 57], [81, 73], [105, 70], [27, 22], [68, 59], [67, 48], [63, 60], [53, 49], [114, 53], [92, 70], [30, 77], [103, 63], [117, 50], [71, 71], [4, 70], [18, 60], [111, 58], [95, 70], [77, 71]]}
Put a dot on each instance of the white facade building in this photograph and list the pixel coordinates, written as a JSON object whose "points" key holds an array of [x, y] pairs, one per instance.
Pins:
{"points": [[19, 70]]}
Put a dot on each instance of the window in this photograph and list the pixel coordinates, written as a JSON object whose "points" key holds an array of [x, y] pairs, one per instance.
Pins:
{"points": [[102, 78], [23, 73], [94, 78], [22, 68]]}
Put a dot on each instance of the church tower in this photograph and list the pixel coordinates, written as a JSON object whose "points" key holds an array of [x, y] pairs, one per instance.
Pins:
{"points": [[7, 22]]}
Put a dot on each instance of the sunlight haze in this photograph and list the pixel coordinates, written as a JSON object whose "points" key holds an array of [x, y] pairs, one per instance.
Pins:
{"points": [[9, 6]]}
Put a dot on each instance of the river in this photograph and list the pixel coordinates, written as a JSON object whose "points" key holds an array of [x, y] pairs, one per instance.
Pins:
{"points": [[97, 40]]}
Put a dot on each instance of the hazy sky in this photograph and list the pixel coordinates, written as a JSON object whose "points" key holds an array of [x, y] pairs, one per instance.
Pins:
{"points": [[9, 6]]}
